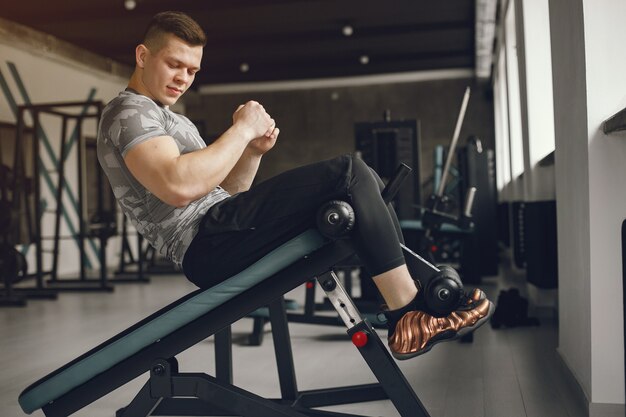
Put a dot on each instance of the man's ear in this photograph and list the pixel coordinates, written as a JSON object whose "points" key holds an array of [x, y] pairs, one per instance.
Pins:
{"points": [[140, 55]]}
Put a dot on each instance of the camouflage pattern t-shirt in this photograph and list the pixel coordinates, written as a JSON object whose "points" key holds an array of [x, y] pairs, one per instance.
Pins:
{"points": [[130, 119]]}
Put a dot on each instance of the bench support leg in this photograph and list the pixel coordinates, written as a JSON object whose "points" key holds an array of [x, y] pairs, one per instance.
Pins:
{"points": [[282, 348], [374, 352], [168, 391], [224, 351]]}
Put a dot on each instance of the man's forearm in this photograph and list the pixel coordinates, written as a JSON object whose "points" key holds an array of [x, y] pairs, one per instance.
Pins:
{"points": [[241, 176]]}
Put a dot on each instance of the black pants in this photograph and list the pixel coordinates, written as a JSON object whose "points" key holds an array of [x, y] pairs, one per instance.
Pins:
{"points": [[238, 231]]}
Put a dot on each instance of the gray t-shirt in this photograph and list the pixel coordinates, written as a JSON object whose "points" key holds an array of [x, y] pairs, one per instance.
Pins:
{"points": [[130, 119]]}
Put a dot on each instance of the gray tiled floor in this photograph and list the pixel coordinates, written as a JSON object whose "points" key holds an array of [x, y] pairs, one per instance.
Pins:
{"points": [[503, 373]]}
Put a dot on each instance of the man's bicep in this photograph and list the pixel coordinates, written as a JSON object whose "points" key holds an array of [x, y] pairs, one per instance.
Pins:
{"points": [[150, 161]]}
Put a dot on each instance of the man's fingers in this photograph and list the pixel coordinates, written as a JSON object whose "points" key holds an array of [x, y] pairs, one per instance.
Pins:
{"points": [[271, 128], [255, 115], [274, 133]]}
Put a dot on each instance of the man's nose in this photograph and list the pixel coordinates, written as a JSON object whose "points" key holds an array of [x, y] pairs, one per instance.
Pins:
{"points": [[181, 76]]}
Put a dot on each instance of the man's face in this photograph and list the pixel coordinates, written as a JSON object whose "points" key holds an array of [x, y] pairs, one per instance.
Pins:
{"points": [[170, 71]]}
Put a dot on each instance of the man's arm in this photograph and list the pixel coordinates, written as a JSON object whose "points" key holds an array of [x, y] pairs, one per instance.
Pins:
{"points": [[241, 176], [180, 179]]}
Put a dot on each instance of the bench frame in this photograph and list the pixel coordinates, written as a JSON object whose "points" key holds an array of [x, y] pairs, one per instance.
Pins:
{"points": [[161, 394]]}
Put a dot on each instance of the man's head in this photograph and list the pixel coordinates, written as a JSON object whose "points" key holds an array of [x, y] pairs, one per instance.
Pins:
{"points": [[169, 57], [173, 23]]}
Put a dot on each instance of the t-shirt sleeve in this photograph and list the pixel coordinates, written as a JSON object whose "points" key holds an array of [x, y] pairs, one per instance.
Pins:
{"points": [[134, 122]]}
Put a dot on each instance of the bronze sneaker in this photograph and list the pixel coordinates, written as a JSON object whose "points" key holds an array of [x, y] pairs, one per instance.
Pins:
{"points": [[417, 332]]}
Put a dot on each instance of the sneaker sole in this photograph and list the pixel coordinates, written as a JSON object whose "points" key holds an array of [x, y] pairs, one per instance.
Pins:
{"points": [[452, 336]]}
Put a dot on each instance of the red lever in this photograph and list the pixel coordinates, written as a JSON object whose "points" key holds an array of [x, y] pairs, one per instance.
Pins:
{"points": [[359, 339], [310, 284]]}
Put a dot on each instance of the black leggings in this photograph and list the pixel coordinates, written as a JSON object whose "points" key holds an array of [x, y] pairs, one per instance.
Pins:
{"points": [[240, 230]]}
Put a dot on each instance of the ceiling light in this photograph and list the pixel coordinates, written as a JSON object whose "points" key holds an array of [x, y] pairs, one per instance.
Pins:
{"points": [[244, 67], [364, 59], [130, 4], [347, 30]]}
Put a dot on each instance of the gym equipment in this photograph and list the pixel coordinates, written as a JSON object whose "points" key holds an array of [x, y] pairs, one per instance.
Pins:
{"points": [[512, 310], [438, 230], [435, 212], [13, 264], [87, 110], [152, 344], [334, 220], [13, 268], [535, 241], [386, 144], [476, 166], [383, 145]]}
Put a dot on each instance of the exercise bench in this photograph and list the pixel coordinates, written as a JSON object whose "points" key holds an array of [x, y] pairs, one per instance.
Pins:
{"points": [[152, 345]]}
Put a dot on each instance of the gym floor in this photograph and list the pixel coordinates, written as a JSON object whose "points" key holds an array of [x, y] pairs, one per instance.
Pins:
{"points": [[506, 372]]}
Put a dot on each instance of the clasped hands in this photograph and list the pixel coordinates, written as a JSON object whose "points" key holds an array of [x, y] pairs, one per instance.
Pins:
{"points": [[259, 124]]}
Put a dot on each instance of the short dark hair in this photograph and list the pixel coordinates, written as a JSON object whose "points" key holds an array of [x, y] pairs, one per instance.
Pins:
{"points": [[178, 24]]}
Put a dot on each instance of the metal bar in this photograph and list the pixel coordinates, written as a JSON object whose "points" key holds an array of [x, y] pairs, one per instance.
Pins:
{"points": [[469, 202], [52, 105], [282, 348], [392, 380], [124, 249], [103, 257], [188, 407], [142, 405], [59, 196], [321, 413], [388, 374], [313, 319], [393, 186], [80, 285], [419, 267], [341, 395], [224, 355], [37, 189], [455, 138], [18, 162], [81, 200], [140, 256], [229, 397], [339, 299]]}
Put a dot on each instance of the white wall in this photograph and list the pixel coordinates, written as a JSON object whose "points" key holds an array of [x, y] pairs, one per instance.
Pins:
{"points": [[605, 34], [572, 188], [47, 77], [589, 86]]}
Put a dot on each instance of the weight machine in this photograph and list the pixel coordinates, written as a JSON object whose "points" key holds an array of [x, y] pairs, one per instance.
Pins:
{"points": [[102, 225]]}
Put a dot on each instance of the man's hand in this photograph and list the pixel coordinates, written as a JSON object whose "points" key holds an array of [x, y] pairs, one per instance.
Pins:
{"points": [[264, 143], [254, 120], [253, 113]]}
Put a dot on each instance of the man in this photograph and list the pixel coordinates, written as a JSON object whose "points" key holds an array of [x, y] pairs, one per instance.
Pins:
{"points": [[195, 205]]}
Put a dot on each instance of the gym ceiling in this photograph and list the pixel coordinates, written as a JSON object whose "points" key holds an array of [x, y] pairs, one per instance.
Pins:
{"points": [[270, 40]]}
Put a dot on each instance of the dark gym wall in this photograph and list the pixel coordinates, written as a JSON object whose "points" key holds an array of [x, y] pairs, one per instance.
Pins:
{"points": [[318, 124]]}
